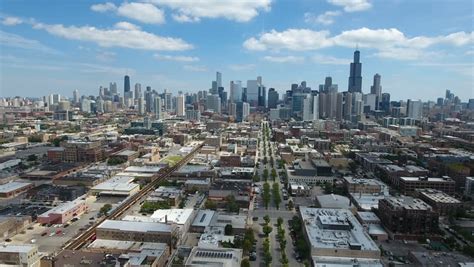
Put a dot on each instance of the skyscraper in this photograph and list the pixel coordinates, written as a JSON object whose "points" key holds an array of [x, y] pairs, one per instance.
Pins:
{"points": [[157, 107], [75, 96], [414, 109], [180, 106], [219, 79], [126, 85], [235, 91], [138, 91], [252, 92], [213, 102], [376, 89], [262, 96], [113, 88], [272, 98], [355, 78]]}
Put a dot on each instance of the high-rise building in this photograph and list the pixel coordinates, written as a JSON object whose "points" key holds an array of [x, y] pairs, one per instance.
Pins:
{"points": [[385, 102], [414, 109], [272, 98], [328, 86], [262, 96], [213, 103], [219, 79], [126, 85], [376, 88], [138, 91], [355, 78], [113, 88], [141, 106], [157, 109], [75, 96], [235, 91], [310, 107], [252, 92], [180, 105], [242, 110]]}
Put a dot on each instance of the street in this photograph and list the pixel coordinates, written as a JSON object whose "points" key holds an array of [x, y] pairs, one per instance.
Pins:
{"points": [[260, 211]]}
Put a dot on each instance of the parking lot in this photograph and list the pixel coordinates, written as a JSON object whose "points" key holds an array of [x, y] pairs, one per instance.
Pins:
{"points": [[52, 237]]}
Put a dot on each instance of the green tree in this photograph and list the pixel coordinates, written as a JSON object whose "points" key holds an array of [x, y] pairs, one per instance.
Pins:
{"points": [[276, 195], [245, 263], [150, 207], [231, 205], [290, 205], [273, 174], [266, 194], [228, 230], [279, 221], [115, 161], [328, 188], [32, 157], [247, 245], [256, 178], [106, 208], [265, 174], [266, 218], [210, 205]]}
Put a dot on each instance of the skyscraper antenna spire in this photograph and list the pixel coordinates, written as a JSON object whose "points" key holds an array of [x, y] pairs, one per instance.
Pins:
{"points": [[357, 46]]}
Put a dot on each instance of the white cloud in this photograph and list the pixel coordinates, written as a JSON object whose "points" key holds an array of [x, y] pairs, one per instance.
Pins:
{"points": [[134, 39], [283, 59], [94, 68], [388, 42], [326, 18], [11, 21], [13, 40], [195, 68], [291, 39], [185, 18], [352, 5], [143, 12], [236, 10], [106, 56], [241, 67], [126, 26], [176, 58], [103, 7], [330, 60]]}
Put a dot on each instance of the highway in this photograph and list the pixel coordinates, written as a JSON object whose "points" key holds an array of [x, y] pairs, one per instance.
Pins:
{"points": [[80, 240]]}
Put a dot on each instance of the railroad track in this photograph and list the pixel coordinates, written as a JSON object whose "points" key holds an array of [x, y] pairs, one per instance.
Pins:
{"points": [[80, 240]]}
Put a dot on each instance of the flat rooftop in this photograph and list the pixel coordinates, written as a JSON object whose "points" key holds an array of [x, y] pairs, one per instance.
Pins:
{"points": [[64, 207], [178, 216], [335, 229], [439, 196], [148, 169], [133, 226], [12, 186], [203, 218], [428, 179], [406, 202], [345, 262], [17, 248]]}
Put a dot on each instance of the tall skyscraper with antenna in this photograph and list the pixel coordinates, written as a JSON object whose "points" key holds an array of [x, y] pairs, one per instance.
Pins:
{"points": [[355, 77]]}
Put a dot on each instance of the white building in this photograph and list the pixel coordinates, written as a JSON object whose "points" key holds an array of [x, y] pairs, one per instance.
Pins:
{"points": [[180, 105], [337, 233], [19, 255]]}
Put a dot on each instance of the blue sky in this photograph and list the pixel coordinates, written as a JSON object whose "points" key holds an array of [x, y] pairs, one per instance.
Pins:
{"points": [[420, 47]]}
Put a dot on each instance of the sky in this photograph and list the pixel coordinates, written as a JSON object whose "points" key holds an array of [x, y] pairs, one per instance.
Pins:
{"points": [[419, 47]]}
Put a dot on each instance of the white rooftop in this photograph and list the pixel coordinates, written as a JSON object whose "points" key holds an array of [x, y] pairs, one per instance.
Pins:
{"points": [[12, 186], [335, 229], [131, 226], [117, 184], [345, 262], [148, 169], [178, 216], [17, 248], [203, 218]]}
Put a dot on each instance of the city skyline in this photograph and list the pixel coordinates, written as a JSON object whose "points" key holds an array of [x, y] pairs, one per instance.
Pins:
{"points": [[60, 54]]}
